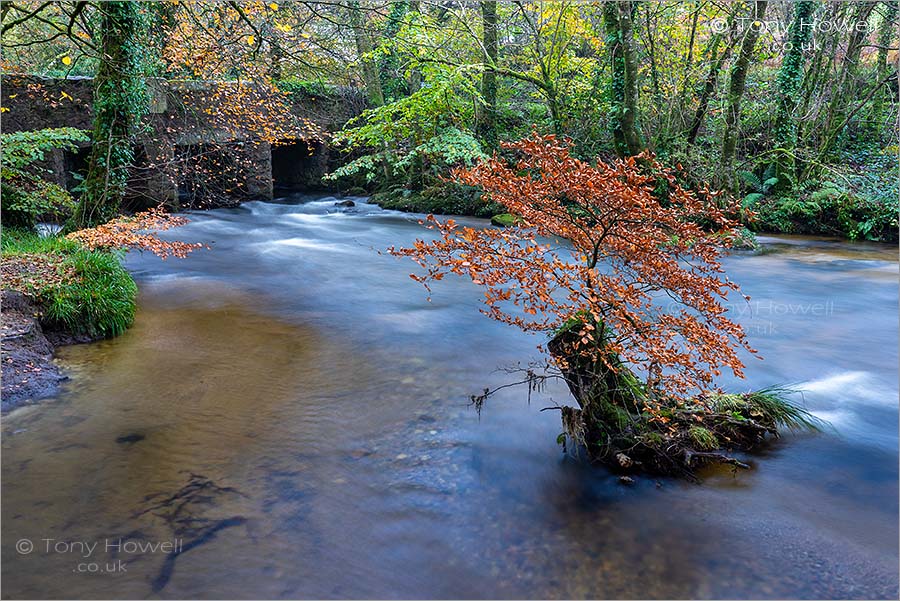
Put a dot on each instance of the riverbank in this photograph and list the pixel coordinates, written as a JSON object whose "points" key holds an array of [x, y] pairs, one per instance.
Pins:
{"points": [[56, 293], [28, 370], [819, 211]]}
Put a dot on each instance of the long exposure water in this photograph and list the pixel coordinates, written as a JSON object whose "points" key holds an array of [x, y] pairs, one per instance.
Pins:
{"points": [[293, 412]]}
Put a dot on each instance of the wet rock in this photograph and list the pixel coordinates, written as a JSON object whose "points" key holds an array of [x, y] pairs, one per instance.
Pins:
{"points": [[130, 438], [624, 460], [360, 453], [626, 480], [345, 203]]}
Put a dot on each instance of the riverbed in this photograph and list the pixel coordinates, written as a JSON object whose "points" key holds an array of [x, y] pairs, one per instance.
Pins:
{"points": [[292, 410]]}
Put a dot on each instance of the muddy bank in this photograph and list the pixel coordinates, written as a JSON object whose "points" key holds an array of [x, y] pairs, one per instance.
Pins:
{"points": [[29, 372]]}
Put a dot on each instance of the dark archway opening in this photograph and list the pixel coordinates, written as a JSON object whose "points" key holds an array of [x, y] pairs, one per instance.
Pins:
{"points": [[75, 167], [299, 165]]}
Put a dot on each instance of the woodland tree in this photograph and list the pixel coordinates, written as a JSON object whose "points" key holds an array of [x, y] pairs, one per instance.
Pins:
{"points": [[790, 78], [120, 101], [736, 92], [617, 17], [598, 296]]}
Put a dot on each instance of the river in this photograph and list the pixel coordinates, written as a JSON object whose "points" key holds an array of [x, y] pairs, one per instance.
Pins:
{"points": [[293, 413]]}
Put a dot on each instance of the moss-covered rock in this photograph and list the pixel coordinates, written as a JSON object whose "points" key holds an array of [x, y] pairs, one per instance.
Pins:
{"points": [[443, 199], [505, 220]]}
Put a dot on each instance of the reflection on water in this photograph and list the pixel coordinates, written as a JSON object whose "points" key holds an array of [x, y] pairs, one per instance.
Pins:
{"points": [[292, 411]]}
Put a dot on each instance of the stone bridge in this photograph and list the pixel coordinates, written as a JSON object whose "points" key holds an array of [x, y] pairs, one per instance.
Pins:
{"points": [[197, 151]]}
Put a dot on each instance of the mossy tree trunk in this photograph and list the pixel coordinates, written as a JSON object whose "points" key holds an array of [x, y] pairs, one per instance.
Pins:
{"points": [[613, 424], [790, 78], [364, 47], [716, 62], [487, 117], [625, 125], [887, 32], [415, 74], [736, 87], [120, 102]]}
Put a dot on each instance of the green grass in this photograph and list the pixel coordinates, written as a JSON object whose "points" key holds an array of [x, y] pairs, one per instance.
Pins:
{"points": [[772, 405], [95, 295]]}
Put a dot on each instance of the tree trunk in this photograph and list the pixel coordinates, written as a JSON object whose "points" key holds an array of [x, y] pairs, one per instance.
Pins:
{"points": [[709, 85], [818, 71], [727, 177], [619, 27], [789, 79], [886, 32], [120, 102], [364, 47], [368, 69], [487, 117], [415, 75]]}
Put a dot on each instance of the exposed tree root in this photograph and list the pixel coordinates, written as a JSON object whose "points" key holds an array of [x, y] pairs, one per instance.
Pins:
{"points": [[623, 424]]}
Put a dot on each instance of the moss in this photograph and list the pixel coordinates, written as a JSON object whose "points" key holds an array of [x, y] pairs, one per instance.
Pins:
{"points": [[505, 220], [744, 239], [625, 425], [703, 438], [82, 292], [444, 199]]}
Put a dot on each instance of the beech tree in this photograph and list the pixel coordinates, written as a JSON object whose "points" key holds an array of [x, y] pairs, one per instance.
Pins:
{"points": [[632, 292]]}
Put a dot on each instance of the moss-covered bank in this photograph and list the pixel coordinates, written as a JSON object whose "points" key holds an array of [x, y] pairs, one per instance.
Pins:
{"points": [[449, 199], [83, 293]]}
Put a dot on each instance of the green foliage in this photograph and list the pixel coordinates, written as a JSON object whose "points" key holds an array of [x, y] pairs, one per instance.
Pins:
{"points": [[863, 210], [96, 296], [415, 139], [761, 186], [768, 406], [505, 220], [703, 438], [26, 195], [306, 88]]}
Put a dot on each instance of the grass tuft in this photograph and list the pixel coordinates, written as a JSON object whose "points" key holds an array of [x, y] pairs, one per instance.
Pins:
{"points": [[83, 292], [773, 403]]}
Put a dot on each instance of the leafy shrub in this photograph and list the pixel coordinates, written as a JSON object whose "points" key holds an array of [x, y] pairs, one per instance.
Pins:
{"points": [[27, 196], [761, 186], [832, 209], [415, 139]]}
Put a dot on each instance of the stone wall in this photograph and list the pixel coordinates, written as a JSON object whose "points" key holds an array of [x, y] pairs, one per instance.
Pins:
{"points": [[186, 121]]}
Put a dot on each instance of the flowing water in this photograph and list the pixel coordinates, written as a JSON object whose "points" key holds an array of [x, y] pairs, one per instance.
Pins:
{"points": [[292, 412]]}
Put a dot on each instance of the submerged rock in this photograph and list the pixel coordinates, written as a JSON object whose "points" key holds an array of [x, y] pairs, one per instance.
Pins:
{"points": [[345, 203]]}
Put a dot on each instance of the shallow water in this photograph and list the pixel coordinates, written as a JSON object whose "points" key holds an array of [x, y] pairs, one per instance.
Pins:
{"points": [[314, 404]]}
